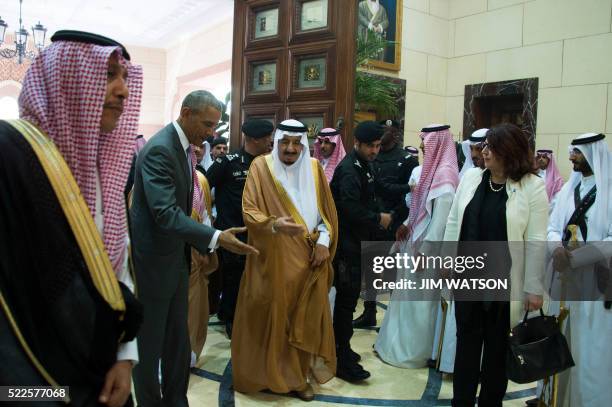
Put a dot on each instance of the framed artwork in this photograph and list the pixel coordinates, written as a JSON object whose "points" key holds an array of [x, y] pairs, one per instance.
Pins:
{"points": [[263, 77], [313, 15], [382, 18], [311, 73], [264, 74], [312, 21], [266, 23], [264, 26]]}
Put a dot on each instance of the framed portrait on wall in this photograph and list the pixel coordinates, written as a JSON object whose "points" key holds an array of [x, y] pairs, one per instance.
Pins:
{"points": [[382, 19]]}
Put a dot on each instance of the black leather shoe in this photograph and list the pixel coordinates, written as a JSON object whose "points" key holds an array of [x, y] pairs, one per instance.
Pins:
{"points": [[365, 320], [535, 402], [228, 329], [352, 373], [431, 363]]}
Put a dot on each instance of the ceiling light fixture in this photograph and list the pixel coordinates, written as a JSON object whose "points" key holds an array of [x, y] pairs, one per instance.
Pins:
{"points": [[21, 40]]}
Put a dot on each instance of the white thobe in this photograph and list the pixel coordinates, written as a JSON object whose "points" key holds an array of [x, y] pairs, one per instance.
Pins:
{"points": [[407, 332]]}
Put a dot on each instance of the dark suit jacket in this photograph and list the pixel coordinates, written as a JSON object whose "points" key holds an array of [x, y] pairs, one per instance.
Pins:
{"points": [[162, 230]]}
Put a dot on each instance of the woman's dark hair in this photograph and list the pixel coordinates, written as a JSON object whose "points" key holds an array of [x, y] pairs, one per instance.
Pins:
{"points": [[511, 146]]}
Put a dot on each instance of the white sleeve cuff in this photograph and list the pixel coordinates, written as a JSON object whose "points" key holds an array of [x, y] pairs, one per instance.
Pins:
{"points": [[323, 239], [213, 242], [323, 235], [128, 351]]}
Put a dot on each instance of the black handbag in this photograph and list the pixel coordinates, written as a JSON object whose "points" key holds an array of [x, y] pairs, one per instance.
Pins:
{"points": [[537, 349]]}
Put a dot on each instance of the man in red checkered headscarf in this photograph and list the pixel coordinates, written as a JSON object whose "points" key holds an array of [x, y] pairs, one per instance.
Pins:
{"points": [[329, 150], [69, 317], [429, 208]]}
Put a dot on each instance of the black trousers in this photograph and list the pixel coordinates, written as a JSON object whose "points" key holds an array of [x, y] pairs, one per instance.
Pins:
{"points": [[232, 268], [481, 323], [164, 335], [347, 280]]}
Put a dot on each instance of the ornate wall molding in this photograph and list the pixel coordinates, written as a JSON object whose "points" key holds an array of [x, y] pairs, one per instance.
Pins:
{"points": [[11, 70]]}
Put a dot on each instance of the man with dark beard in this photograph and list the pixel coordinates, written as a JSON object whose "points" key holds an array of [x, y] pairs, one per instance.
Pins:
{"points": [[392, 169], [584, 213], [359, 216]]}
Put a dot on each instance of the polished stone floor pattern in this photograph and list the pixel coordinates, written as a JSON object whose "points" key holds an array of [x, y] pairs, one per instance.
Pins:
{"points": [[211, 381]]}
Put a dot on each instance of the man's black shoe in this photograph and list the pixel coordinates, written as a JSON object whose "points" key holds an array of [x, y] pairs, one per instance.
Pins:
{"points": [[431, 363], [352, 373], [228, 329], [365, 320]]}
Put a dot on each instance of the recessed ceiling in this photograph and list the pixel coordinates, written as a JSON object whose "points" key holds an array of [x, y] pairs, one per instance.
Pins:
{"points": [[149, 23]]}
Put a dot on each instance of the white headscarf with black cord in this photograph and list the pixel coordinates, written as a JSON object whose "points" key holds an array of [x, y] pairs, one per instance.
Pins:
{"points": [[297, 178], [595, 151]]}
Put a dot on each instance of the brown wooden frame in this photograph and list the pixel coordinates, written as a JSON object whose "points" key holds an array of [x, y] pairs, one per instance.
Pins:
{"points": [[295, 111], [260, 112], [269, 96], [397, 64], [250, 42], [298, 36], [296, 55]]}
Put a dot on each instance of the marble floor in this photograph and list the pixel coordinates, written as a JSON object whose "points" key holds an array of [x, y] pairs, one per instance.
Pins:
{"points": [[211, 381]]}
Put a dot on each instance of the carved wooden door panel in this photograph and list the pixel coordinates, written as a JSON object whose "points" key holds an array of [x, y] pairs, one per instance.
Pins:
{"points": [[294, 59]]}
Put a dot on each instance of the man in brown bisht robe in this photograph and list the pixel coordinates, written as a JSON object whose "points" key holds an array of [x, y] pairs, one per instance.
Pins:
{"points": [[283, 333], [202, 265]]}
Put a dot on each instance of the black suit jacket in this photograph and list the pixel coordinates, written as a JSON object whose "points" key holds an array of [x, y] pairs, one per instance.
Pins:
{"points": [[161, 227]]}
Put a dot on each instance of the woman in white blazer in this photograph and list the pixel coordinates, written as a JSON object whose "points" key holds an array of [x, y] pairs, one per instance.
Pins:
{"points": [[504, 202]]}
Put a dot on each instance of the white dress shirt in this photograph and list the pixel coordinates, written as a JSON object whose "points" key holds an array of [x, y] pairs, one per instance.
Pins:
{"points": [[185, 144]]}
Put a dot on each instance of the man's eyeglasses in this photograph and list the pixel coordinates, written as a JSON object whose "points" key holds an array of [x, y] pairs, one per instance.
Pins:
{"points": [[484, 145]]}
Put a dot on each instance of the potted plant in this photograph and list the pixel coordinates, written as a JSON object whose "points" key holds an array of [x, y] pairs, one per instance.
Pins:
{"points": [[374, 94]]}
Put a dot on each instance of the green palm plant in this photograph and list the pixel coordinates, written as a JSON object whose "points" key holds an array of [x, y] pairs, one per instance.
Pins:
{"points": [[373, 92]]}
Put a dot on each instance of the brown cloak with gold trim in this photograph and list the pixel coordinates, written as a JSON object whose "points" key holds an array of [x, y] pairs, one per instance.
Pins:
{"points": [[283, 326]]}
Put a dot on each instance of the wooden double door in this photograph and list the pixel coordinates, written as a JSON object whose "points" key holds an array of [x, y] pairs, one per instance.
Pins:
{"points": [[294, 59]]}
